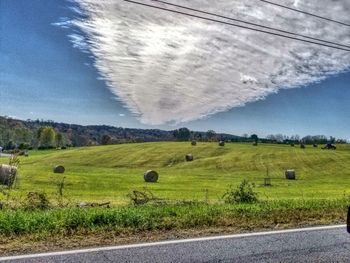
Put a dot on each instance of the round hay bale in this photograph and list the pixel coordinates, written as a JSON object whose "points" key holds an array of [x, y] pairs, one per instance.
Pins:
{"points": [[302, 146], [221, 143], [189, 157], [330, 146], [7, 174], [151, 176], [315, 145], [193, 143], [292, 145], [290, 174], [59, 169]]}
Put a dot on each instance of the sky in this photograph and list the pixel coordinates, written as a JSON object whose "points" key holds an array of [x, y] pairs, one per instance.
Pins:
{"points": [[112, 62]]}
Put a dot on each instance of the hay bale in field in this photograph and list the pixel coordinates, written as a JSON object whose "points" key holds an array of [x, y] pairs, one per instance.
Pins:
{"points": [[151, 176], [189, 157], [290, 174], [193, 143], [315, 145], [7, 174], [329, 146], [302, 146], [292, 145], [59, 169], [221, 143]]}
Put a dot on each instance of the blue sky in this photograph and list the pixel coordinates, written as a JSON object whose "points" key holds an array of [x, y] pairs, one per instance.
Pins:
{"points": [[42, 75]]}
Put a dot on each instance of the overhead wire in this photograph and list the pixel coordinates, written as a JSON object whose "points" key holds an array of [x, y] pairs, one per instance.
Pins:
{"points": [[250, 23], [238, 26], [305, 13]]}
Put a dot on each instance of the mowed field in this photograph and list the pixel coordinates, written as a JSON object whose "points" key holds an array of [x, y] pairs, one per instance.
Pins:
{"points": [[109, 173]]}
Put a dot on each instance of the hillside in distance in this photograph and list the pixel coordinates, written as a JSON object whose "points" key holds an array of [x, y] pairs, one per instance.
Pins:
{"points": [[26, 131]]}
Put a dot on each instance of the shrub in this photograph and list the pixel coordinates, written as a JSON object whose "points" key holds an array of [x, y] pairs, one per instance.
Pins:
{"points": [[141, 197], [37, 200], [244, 193]]}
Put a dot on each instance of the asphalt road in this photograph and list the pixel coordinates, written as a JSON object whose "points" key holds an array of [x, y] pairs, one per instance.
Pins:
{"points": [[330, 244]]}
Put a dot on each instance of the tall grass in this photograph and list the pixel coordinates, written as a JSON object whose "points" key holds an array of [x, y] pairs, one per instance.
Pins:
{"points": [[166, 217]]}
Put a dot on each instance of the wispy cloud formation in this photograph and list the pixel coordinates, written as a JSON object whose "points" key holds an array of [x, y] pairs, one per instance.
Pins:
{"points": [[170, 68]]}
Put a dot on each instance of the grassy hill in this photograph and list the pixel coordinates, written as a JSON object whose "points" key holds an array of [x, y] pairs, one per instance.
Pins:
{"points": [[319, 196], [109, 173]]}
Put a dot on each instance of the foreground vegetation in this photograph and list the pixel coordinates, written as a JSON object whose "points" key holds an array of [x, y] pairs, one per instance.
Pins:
{"points": [[131, 219]]}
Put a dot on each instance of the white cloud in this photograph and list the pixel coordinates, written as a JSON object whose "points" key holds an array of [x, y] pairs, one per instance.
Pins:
{"points": [[248, 79], [170, 68], [296, 3], [121, 114], [79, 42]]}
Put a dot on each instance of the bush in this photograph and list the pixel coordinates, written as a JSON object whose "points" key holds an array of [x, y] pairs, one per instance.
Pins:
{"points": [[37, 200], [140, 197], [244, 193], [24, 146]]}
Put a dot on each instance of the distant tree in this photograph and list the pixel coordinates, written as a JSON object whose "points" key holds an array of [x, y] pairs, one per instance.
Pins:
{"points": [[182, 134], [59, 139], [106, 139], [10, 145], [22, 135], [196, 136], [79, 140], [279, 137], [271, 137], [295, 138], [39, 131], [24, 146], [211, 135], [47, 138], [254, 137], [341, 141]]}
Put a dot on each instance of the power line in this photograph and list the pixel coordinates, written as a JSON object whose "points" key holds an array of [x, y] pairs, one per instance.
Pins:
{"points": [[235, 25], [250, 23], [305, 13]]}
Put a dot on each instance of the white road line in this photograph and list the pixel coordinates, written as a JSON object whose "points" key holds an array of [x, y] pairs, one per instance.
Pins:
{"points": [[180, 241]]}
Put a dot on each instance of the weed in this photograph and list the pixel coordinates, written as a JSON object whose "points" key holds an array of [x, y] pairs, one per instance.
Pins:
{"points": [[244, 193], [141, 197], [37, 200]]}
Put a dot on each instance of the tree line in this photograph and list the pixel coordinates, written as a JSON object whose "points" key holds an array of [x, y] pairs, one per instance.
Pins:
{"points": [[41, 134]]}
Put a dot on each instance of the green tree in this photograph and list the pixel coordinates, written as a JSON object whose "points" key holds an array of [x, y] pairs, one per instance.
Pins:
{"points": [[106, 139], [211, 135], [254, 137], [47, 138], [182, 134], [59, 139]]}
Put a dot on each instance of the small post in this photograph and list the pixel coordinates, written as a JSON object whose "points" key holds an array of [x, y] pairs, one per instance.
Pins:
{"points": [[267, 179]]}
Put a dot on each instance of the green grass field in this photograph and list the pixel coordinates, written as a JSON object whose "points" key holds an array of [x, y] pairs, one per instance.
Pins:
{"points": [[109, 173]]}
